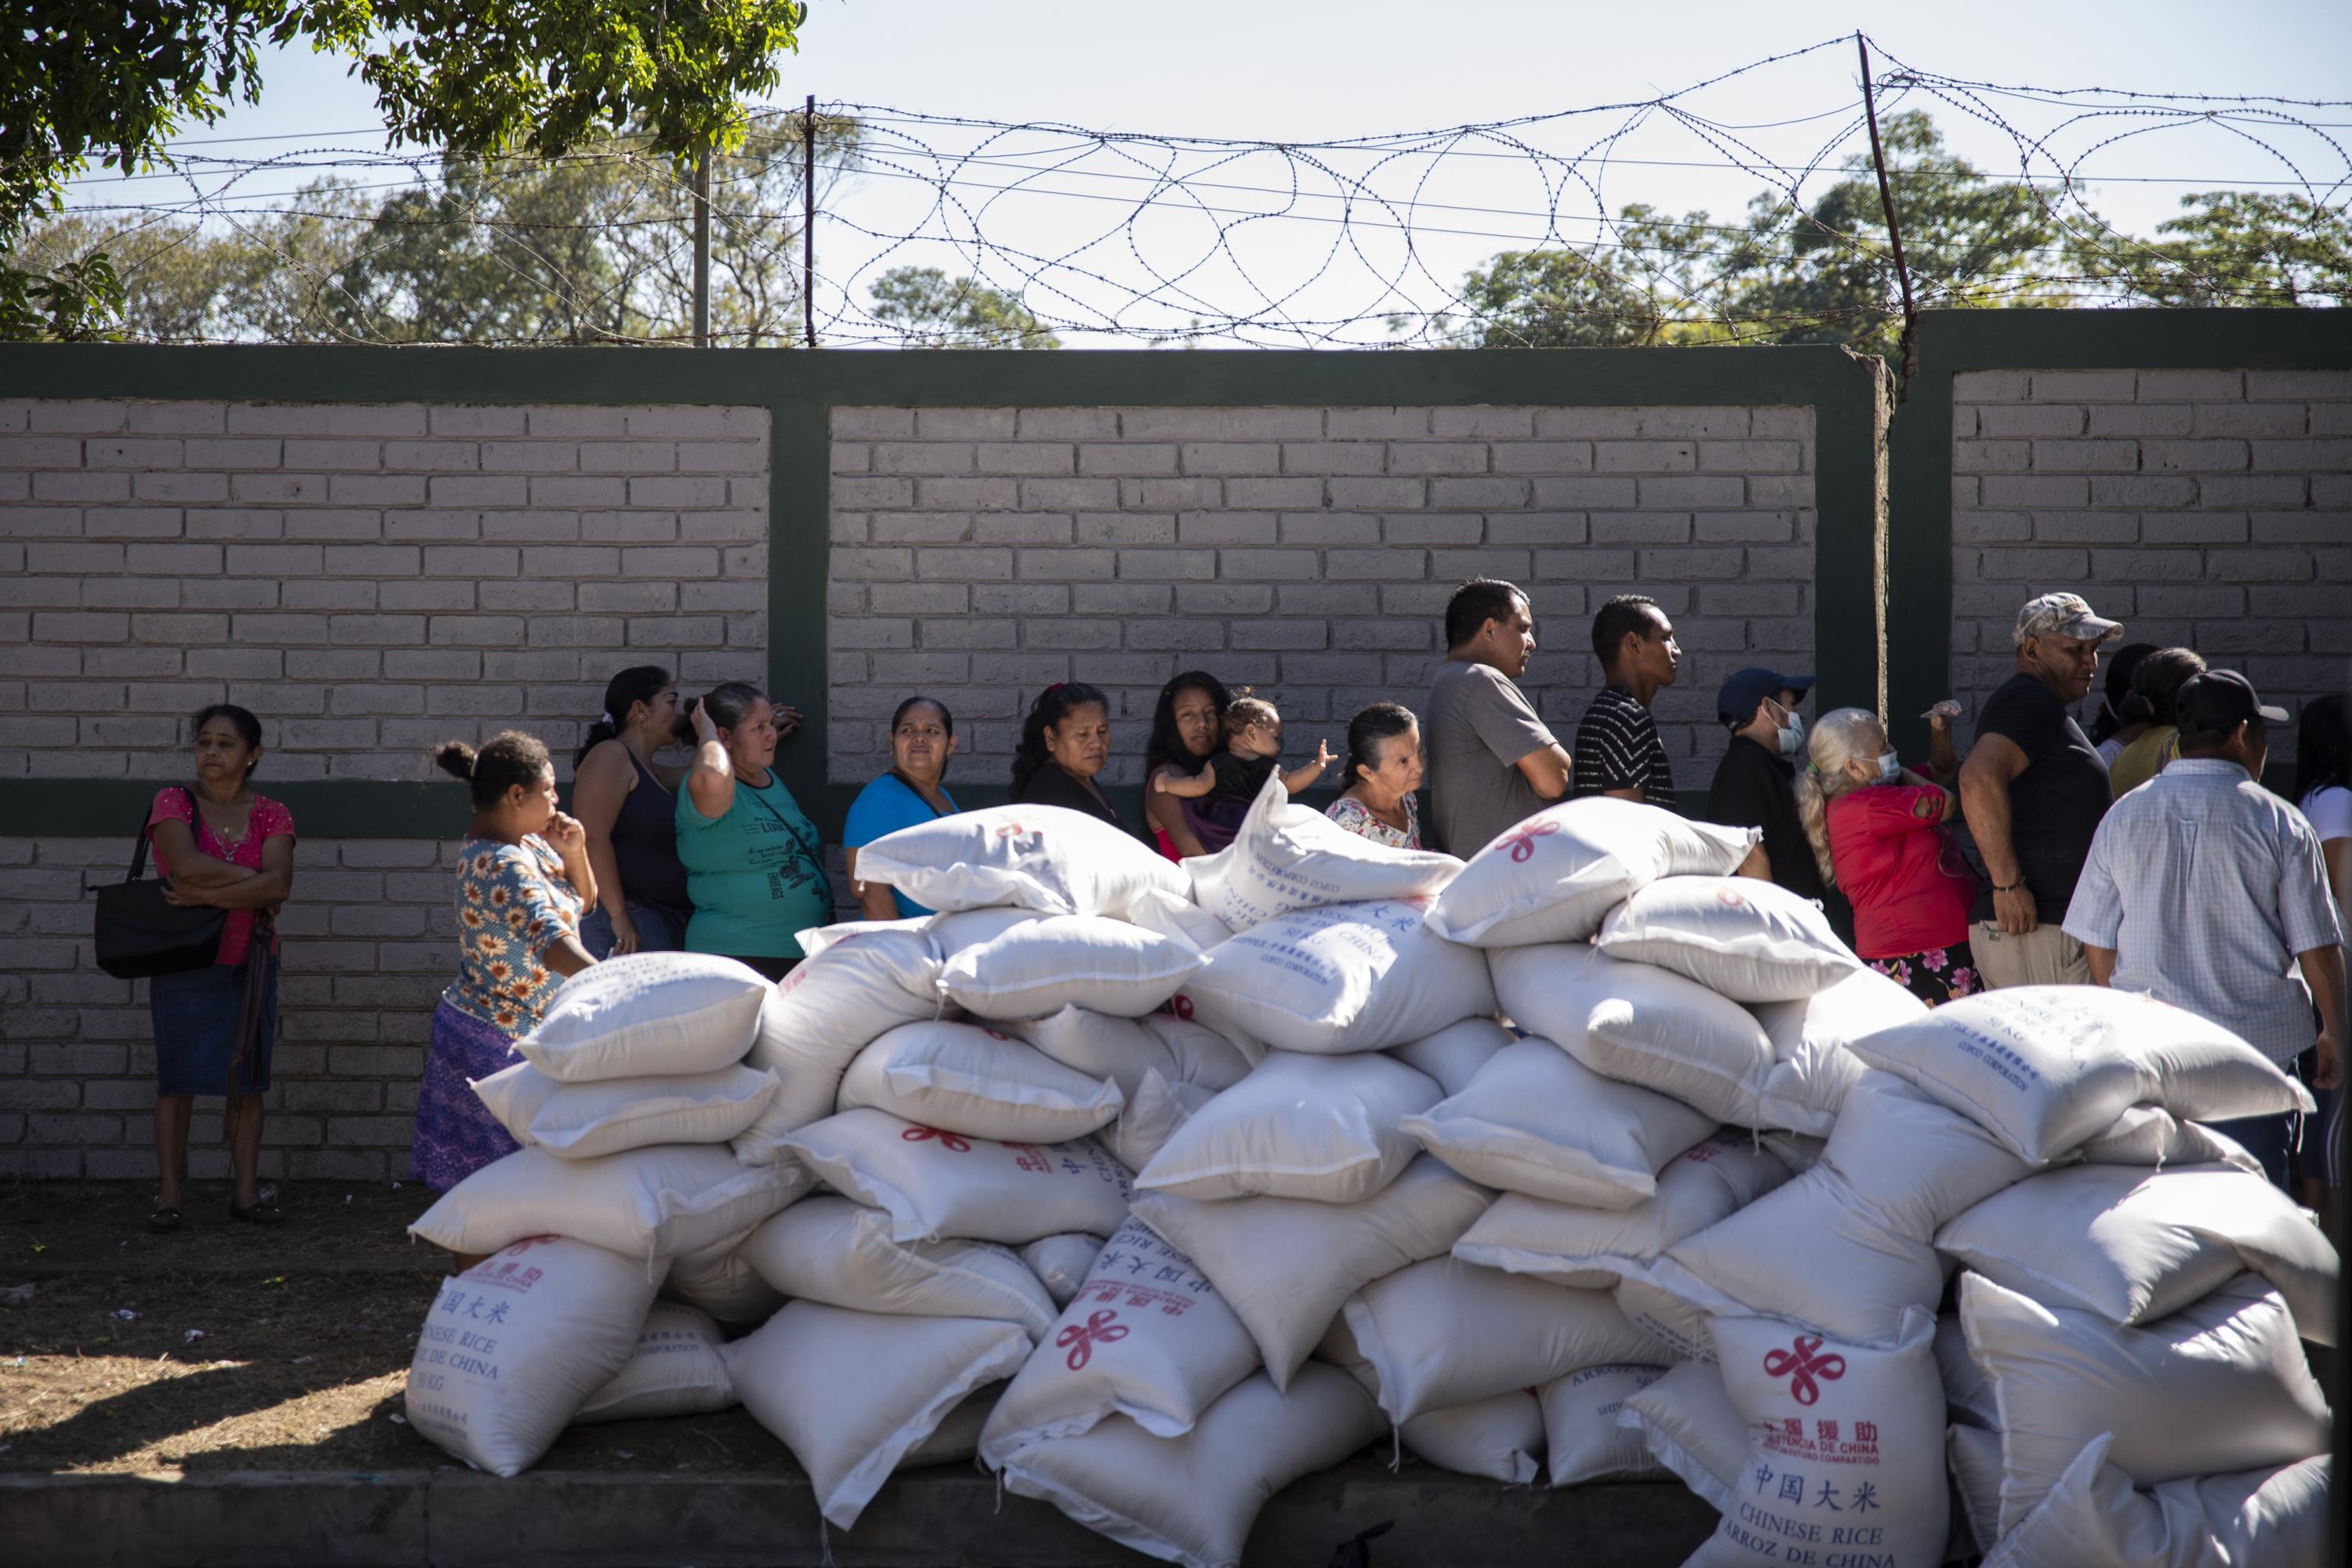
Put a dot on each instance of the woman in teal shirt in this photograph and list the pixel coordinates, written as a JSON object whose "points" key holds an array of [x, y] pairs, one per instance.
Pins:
{"points": [[754, 865]]}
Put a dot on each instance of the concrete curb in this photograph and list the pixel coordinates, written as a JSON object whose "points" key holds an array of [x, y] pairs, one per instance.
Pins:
{"points": [[948, 1517]]}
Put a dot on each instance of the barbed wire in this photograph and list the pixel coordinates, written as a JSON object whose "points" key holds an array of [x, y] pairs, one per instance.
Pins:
{"points": [[953, 230]]}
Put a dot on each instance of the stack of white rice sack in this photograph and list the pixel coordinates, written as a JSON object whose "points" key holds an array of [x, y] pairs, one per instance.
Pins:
{"points": [[1582, 1160]]}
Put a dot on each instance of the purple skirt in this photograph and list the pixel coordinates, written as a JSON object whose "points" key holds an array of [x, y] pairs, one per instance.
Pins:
{"points": [[456, 1134]]}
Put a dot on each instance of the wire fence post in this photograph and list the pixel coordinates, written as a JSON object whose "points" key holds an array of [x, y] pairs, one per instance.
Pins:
{"points": [[1909, 343], [702, 249], [808, 222]]}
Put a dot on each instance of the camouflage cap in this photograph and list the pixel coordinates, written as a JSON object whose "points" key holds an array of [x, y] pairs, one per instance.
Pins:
{"points": [[2063, 616]]}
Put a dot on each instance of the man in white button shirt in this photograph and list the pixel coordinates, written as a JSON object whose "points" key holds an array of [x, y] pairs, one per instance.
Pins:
{"points": [[2206, 891]]}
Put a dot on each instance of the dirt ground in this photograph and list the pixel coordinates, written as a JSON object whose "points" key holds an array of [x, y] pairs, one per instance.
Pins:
{"points": [[305, 1332]]}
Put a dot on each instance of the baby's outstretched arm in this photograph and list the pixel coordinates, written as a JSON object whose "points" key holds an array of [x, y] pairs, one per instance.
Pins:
{"points": [[1192, 788], [1306, 773]]}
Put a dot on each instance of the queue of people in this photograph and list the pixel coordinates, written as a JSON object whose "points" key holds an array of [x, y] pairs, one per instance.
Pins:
{"points": [[2029, 862]]}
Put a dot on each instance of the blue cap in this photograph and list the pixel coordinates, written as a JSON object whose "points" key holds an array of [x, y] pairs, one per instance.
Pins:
{"points": [[1747, 688]]}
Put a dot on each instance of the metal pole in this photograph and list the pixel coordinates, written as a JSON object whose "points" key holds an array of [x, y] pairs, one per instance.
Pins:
{"points": [[808, 221], [702, 249], [1910, 348]]}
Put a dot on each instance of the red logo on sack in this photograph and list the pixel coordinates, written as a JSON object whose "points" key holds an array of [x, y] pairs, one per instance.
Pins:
{"points": [[1730, 898], [948, 1140], [1080, 1339], [1522, 842], [1801, 1363]]}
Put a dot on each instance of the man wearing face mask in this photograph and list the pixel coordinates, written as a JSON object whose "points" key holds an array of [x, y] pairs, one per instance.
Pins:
{"points": [[2033, 791], [1755, 784], [2206, 891]]}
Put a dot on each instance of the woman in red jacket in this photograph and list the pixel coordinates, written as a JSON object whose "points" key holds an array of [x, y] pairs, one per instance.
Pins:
{"points": [[1879, 832]]}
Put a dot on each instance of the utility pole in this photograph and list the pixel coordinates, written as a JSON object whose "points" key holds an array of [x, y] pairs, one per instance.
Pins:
{"points": [[808, 221], [1910, 341], [702, 249]]}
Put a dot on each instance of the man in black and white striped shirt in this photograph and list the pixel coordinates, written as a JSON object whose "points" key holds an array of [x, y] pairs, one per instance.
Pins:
{"points": [[1618, 750]]}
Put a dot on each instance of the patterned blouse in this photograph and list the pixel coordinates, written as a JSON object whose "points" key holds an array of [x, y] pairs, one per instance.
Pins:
{"points": [[512, 900], [1357, 817]]}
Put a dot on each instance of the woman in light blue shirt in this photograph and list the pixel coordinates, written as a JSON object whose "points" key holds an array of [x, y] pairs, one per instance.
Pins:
{"points": [[922, 739]]}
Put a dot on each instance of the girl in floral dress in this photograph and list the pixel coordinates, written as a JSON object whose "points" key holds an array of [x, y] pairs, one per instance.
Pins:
{"points": [[523, 880], [1881, 832]]}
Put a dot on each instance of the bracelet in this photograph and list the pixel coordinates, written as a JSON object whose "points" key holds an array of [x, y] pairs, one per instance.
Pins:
{"points": [[2012, 887]]}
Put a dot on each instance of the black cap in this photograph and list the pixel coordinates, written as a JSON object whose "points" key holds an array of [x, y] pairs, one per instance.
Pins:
{"points": [[1745, 687], [2218, 701]]}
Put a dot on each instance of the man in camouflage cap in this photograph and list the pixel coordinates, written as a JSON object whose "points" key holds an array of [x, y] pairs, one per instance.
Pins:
{"points": [[2033, 790]]}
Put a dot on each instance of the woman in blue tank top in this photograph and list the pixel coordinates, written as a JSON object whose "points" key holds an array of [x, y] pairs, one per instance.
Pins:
{"points": [[628, 804]]}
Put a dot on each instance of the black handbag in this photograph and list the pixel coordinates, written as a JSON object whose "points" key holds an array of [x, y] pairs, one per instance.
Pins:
{"points": [[138, 934]]}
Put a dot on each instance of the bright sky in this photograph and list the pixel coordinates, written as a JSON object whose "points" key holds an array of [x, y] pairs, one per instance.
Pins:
{"points": [[1322, 70]]}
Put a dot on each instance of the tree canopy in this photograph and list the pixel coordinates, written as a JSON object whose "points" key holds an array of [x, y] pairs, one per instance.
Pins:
{"points": [[83, 79]]}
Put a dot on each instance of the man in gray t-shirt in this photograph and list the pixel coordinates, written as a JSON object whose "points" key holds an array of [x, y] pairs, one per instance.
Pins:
{"points": [[1492, 763]]}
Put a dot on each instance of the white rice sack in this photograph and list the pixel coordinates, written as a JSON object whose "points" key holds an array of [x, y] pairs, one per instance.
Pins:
{"points": [[1581, 1432], [1322, 1128], [832, 1250], [2047, 1068], [581, 1121], [1678, 1324], [1286, 857], [644, 1013], [1146, 1338], [981, 1082], [1536, 1121], [1500, 1439], [718, 1281], [1454, 1054], [1191, 1500], [1177, 918], [851, 1393], [1286, 1265], [1967, 1397], [1974, 1455], [675, 1369], [1587, 1248], [935, 1184], [1813, 1062], [2219, 1385], [1847, 1247], [1042, 857], [855, 988], [1845, 1448], [1350, 977], [956, 1439], [1062, 1263], [1689, 1424], [1124, 1051], [646, 1204], [1440, 1333], [1638, 1023], [1151, 1118], [1750, 940], [514, 1346], [2273, 1518], [1042, 964], [2136, 1245], [1553, 876], [2152, 1138]]}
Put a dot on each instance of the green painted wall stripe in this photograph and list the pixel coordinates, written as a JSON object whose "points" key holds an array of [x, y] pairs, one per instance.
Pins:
{"points": [[1919, 545], [800, 388]]}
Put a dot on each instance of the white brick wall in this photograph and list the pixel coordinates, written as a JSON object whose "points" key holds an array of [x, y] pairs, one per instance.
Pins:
{"points": [[981, 555], [2204, 508], [370, 579]]}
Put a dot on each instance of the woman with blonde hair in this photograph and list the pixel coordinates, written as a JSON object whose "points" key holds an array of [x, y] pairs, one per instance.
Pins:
{"points": [[1880, 832]]}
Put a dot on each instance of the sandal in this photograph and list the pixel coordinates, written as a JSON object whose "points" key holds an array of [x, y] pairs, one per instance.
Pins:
{"points": [[163, 1219], [260, 1212]]}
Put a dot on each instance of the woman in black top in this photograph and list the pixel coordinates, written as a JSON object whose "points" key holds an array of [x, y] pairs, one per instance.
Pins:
{"points": [[628, 805], [1064, 742]]}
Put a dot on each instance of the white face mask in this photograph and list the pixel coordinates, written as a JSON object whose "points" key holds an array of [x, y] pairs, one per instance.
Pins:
{"points": [[1890, 768], [1792, 735]]}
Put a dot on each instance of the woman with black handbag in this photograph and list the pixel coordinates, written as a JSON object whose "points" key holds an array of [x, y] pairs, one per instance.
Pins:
{"points": [[221, 847]]}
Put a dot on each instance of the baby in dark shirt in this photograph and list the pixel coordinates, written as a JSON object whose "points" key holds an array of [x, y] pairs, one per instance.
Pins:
{"points": [[1253, 750]]}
